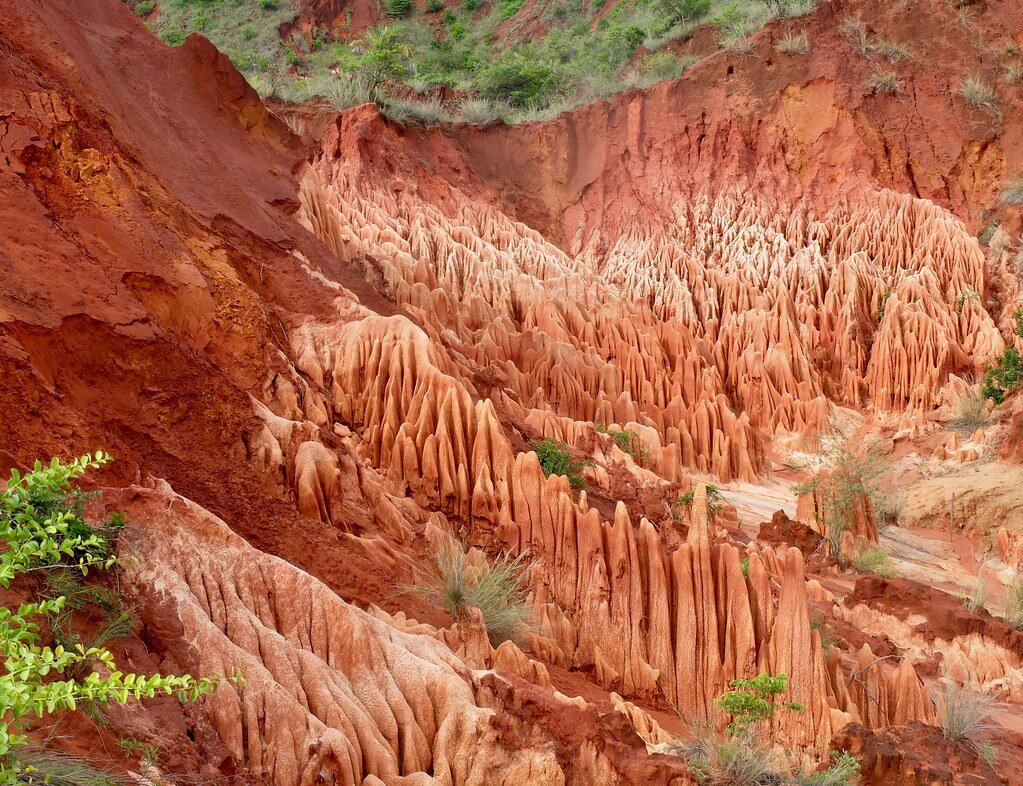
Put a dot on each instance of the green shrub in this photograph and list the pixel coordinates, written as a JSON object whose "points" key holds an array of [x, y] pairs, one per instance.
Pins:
{"points": [[715, 499], [627, 441], [498, 588], [743, 755], [268, 5], [684, 11], [144, 8], [399, 8], [173, 37], [471, 5], [43, 527], [506, 9], [555, 460], [753, 701], [520, 83], [386, 57], [433, 6], [1004, 378]]}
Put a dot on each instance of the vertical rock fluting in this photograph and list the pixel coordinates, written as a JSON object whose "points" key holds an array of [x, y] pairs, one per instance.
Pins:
{"points": [[610, 596], [748, 312], [332, 694]]}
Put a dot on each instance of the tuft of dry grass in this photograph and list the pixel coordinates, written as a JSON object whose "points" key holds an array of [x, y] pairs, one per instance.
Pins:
{"points": [[498, 588], [981, 591], [886, 83], [870, 558], [854, 29], [976, 92], [1012, 194], [1014, 603], [793, 44], [964, 714], [892, 51], [722, 759], [971, 411]]}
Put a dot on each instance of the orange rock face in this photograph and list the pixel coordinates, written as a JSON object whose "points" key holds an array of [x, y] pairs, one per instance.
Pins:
{"points": [[315, 366]]}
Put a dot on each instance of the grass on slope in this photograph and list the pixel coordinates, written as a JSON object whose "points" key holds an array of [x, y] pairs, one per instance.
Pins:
{"points": [[481, 52]]}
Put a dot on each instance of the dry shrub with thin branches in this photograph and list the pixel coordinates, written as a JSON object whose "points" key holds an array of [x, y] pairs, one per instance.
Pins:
{"points": [[849, 474]]}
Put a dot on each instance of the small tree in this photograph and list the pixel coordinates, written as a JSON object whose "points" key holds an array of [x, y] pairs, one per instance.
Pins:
{"points": [[386, 56], [43, 526], [753, 701], [1004, 377], [842, 486]]}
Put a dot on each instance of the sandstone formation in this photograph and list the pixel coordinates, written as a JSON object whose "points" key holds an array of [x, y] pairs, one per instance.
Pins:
{"points": [[316, 365]]}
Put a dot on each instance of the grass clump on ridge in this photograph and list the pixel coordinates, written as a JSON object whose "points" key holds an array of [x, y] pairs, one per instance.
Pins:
{"points": [[971, 411], [498, 588], [964, 715], [981, 591], [871, 558]]}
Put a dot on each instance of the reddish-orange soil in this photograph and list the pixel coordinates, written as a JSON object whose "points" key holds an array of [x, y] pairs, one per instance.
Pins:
{"points": [[316, 360]]}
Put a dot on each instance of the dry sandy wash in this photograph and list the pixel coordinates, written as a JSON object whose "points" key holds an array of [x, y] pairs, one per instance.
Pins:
{"points": [[318, 356]]}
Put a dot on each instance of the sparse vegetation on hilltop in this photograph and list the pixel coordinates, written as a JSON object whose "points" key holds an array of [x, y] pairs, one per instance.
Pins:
{"points": [[587, 52]]}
